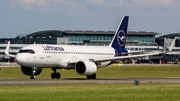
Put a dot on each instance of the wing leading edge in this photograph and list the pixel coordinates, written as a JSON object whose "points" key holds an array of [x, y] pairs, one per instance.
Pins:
{"points": [[125, 57]]}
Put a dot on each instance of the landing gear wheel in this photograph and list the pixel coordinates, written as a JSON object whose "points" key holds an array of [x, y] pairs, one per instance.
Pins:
{"points": [[94, 76], [58, 75], [88, 76], [32, 77], [55, 75], [91, 76]]}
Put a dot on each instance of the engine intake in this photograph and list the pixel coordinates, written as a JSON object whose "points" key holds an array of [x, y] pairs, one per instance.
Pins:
{"points": [[29, 70], [85, 67]]}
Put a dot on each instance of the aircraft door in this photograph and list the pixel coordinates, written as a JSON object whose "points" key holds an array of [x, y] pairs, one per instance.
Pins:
{"points": [[42, 56]]}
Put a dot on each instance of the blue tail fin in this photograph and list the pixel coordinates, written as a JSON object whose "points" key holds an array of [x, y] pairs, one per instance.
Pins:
{"points": [[119, 39]]}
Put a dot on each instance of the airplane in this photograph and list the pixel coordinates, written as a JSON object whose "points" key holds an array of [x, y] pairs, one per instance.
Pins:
{"points": [[83, 59]]}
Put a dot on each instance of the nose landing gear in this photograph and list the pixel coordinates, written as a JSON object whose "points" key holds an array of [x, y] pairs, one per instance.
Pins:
{"points": [[33, 76]]}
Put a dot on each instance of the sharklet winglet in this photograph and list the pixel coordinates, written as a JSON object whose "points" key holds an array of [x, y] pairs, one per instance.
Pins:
{"points": [[7, 50]]}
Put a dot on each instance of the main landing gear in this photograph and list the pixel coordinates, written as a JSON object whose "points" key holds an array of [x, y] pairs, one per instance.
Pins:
{"points": [[91, 76], [55, 75]]}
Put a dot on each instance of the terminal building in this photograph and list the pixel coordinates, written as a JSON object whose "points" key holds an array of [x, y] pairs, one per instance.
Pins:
{"points": [[81, 38], [135, 41], [166, 40]]}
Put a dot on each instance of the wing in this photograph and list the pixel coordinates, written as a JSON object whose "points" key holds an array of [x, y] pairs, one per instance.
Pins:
{"points": [[135, 52], [125, 57], [116, 58]]}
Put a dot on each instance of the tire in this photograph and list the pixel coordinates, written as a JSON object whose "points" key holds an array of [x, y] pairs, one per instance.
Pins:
{"points": [[88, 76], [32, 77], [58, 75], [93, 76], [53, 75]]}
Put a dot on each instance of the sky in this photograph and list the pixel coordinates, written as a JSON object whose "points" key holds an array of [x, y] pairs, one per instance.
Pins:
{"points": [[22, 17]]}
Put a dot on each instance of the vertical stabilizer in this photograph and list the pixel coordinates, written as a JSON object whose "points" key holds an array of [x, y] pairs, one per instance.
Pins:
{"points": [[119, 39]]}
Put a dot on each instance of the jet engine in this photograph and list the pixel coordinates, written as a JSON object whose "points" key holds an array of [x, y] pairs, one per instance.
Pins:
{"points": [[29, 70], [85, 67]]}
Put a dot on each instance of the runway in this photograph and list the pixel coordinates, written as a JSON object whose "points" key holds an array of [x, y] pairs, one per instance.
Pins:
{"points": [[14, 82]]}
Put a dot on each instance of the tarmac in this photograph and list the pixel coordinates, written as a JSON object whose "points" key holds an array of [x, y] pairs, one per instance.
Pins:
{"points": [[7, 64], [72, 81]]}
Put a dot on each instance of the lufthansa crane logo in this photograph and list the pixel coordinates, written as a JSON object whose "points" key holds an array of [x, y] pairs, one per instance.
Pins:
{"points": [[121, 38]]}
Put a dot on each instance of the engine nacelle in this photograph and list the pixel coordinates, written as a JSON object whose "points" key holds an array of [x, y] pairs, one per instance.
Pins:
{"points": [[29, 70], [85, 67]]}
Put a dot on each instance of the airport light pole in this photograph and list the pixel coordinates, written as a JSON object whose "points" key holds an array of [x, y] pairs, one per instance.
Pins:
{"points": [[16, 32], [178, 44]]}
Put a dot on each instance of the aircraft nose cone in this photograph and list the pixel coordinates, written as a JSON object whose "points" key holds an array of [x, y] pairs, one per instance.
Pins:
{"points": [[19, 59]]}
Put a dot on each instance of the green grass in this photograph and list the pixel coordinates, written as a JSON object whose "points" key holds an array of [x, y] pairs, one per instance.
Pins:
{"points": [[130, 71], [97, 92]]}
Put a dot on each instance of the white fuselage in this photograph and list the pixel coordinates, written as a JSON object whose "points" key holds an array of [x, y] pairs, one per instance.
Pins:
{"points": [[59, 56]]}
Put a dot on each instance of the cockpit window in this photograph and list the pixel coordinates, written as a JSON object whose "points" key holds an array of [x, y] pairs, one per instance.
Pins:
{"points": [[27, 51]]}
